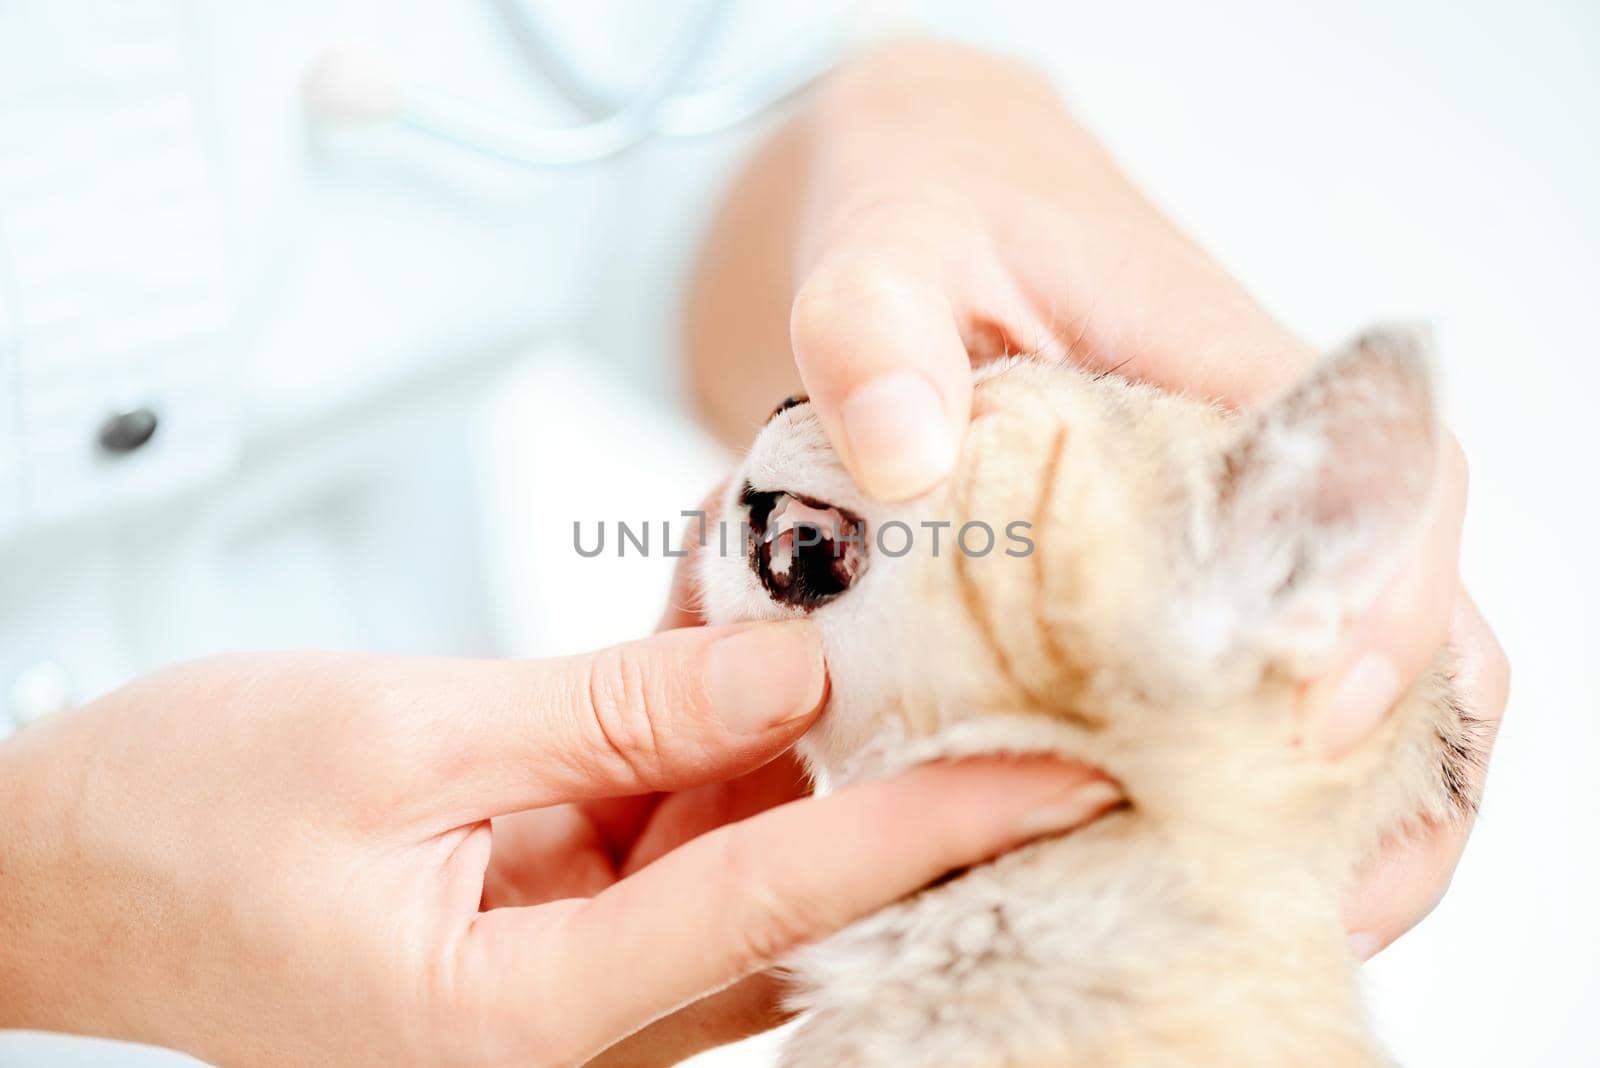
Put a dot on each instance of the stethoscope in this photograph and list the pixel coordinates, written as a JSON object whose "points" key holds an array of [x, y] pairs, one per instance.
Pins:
{"points": [[352, 82]]}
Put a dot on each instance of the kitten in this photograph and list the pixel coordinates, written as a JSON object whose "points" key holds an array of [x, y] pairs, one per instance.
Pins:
{"points": [[1162, 577]]}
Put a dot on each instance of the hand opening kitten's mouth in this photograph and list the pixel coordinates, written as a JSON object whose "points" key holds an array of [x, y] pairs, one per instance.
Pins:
{"points": [[805, 552]]}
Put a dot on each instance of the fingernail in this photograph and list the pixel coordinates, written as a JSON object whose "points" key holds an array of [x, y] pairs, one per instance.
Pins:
{"points": [[1363, 695], [899, 435], [1082, 802], [1363, 946], [765, 675]]}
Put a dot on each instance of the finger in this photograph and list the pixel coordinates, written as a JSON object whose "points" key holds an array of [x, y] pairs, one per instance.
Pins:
{"points": [[732, 902], [1127, 292], [751, 1006], [674, 710], [1401, 635], [1412, 873], [880, 352], [1404, 883]]}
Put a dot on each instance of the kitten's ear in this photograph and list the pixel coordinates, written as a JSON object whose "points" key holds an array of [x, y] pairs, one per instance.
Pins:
{"points": [[1319, 498]]}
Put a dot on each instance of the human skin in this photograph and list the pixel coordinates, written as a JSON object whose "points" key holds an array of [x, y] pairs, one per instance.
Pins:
{"points": [[935, 204], [307, 858]]}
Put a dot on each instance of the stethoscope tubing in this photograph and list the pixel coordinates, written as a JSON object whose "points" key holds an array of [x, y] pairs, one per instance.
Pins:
{"points": [[661, 107]]}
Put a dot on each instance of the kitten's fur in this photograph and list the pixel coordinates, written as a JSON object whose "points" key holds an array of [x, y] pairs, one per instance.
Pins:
{"points": [[1192, 567]]}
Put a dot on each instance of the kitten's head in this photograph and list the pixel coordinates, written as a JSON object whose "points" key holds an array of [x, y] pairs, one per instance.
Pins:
{"points": [[1108, 559]]}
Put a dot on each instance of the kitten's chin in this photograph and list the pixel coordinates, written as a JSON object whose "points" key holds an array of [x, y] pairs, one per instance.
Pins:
{"points": [[892, 750]]}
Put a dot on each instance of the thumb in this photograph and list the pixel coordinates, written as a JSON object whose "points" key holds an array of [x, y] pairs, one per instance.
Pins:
{"points": [[737, 899], [678, 709], [881, 356], [1400, 636]]}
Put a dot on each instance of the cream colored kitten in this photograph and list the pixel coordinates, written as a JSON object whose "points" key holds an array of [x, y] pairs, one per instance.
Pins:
{"points": [[1189, 568]]}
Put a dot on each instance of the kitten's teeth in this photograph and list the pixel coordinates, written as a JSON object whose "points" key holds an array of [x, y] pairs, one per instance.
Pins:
{"points": [[782, 555], [790, 513], [775, 518]]}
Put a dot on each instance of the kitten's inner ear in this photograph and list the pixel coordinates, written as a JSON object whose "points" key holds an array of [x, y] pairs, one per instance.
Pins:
{"points": [[1319, 499]]}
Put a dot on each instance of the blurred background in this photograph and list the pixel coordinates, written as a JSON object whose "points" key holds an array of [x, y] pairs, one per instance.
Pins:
{"points": [[288, 362]]}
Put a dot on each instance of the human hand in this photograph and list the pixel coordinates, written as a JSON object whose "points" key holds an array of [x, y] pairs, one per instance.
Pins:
{"points": [[954, 211], [290, 858]]}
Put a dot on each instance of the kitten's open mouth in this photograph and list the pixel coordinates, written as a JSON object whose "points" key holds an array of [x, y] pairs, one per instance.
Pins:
{"points": [[805, 551]]}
